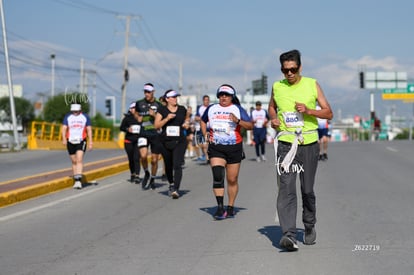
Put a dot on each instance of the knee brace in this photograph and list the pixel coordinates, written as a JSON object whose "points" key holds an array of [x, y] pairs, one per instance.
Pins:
{"points": [[218, 176]]}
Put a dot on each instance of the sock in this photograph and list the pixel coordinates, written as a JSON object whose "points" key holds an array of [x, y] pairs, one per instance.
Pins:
{"points": [[220, 200]]}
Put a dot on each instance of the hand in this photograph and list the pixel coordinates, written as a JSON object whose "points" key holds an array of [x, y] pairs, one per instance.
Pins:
{"points": [[300, 107], [170, 116], [275, 123], [234, 118]]}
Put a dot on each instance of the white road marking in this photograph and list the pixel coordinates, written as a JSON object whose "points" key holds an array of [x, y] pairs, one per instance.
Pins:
{"points": [[50, 204], [392, 149]]}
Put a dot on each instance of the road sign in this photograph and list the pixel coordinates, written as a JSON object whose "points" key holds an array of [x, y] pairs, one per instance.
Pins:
{"points": [[385, 80], [394, 91]]}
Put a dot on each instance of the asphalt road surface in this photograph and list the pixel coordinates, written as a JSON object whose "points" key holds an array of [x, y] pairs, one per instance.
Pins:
{"points": [[27, 163], [364, 209]]}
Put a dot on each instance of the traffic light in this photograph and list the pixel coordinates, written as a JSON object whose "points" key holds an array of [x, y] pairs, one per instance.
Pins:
{"points": [[108, 105], [361, 80]]}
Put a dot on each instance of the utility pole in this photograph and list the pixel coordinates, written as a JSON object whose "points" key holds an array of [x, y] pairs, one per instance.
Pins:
{"points": [[125, 69], [180, 79], [81, 77]]}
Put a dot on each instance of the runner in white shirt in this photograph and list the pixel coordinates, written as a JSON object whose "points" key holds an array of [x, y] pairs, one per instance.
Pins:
{"points": [[260, 119], [75, 129], [225, 149]]}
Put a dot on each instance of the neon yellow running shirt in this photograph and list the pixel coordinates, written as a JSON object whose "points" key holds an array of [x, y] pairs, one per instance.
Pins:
{"points": [[285, 96]]}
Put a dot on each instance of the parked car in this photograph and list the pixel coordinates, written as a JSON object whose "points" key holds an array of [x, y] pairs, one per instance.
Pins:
{"points": [[6, 141]]}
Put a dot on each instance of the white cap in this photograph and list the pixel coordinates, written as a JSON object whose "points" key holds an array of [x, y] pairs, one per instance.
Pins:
{"points": [[148, 88], [171, 93], [75, 107], [132, 105]]}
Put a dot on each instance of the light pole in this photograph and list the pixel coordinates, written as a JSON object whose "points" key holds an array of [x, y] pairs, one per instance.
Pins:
{"points": [[9, 80], [52, 90]]}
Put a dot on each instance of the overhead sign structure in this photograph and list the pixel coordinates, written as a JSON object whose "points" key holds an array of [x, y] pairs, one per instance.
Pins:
{"points": [[399, 94], [385, 80]]}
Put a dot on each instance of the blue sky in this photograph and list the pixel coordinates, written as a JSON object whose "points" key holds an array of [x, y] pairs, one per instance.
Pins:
{"points": [[215, 41]]}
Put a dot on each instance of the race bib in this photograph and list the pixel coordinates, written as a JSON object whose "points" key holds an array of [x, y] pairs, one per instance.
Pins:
{"points": [[142, 142], [75, 140], [135, 129], [221, 128], [259, 123], [172, 131], [293, 119], [197, 127]]}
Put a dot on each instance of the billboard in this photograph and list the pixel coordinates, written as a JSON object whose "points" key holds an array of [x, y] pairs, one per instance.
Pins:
{"points": [[17, 90], [385, 80]]}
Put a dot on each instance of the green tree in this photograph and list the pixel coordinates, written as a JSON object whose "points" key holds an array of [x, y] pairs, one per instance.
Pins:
{"points": [[23, 107], [58, 106]]}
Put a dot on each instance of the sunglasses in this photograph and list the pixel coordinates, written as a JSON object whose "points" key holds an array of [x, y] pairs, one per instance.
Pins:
{"points": [[292, 70], [147, 92]]}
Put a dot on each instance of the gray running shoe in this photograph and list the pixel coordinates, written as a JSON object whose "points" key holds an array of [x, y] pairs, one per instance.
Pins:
{"points": [[288, 243], [309, 236]]}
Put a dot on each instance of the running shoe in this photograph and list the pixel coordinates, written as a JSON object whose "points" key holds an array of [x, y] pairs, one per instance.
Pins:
{"points": [[137, 180], [309, 236], [77, 185], [152, 184], [263, 157], [175, 195], [325, 156], [170, 189], [288, 243], [230, 211], [258, 159], [220, 214], [145, 182]]}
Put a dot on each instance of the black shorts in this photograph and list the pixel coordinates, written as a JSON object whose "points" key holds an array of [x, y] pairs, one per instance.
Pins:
{"points": [[72, 148], [323, 132], [231, 153], [154, 142]]}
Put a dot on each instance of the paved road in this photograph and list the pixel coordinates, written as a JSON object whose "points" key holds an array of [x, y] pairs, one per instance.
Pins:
{"points": [[365, 217], [27, 163]]}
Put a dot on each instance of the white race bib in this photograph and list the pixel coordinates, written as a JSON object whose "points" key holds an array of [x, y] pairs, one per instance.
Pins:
{"points": [[135, 129], [293, 119], [221, 128], [173, 131], [259, 123], [142, 142], [75, 140]]}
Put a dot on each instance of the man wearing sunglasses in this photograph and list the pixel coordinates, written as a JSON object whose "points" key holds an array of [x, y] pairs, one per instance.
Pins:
{"points": [[146, 109], [292, 112]]}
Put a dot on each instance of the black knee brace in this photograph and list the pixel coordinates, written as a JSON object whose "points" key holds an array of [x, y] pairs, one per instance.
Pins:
{"points": [[218, 176]]}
